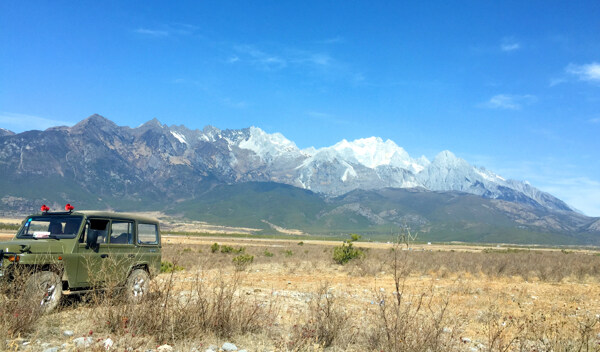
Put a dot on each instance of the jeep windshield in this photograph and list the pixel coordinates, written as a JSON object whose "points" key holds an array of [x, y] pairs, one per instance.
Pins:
{"points": [[57, 227]]}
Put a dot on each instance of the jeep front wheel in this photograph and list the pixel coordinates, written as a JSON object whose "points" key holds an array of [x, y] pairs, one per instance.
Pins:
{"points": [[138, 285], [44, 287]]}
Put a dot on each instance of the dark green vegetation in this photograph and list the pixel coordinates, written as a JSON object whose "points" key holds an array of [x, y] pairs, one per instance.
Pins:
{"points": [[376, 214], [379, 214], [346, 252]]}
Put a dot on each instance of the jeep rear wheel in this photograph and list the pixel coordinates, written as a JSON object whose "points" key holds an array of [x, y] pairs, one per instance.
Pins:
{"points": [[45, 288], [137, 286]]}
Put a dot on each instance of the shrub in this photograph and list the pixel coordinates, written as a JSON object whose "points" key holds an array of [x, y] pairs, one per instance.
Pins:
{"points": [[214, 248], [168, 267], [239, 250], [226, 249], [301, 243], [268, 254], [288, 253], [242, 261], [346, 251]]}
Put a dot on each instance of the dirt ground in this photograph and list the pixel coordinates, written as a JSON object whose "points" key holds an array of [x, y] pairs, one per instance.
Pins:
{"points": [[491, 299]]}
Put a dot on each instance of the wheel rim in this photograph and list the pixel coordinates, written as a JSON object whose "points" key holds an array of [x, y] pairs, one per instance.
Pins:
{"points": [[49, 297], [138, 289]]}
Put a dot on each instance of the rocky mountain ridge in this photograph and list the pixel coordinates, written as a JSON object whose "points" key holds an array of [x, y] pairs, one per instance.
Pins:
{"points": [[119, 167]]}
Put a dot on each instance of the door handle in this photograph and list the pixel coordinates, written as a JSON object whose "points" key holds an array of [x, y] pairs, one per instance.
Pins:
{"points": [[103, 255]]}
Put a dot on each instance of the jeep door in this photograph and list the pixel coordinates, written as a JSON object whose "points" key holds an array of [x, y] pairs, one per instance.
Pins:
{"points": [[121, 250], [91, 269], [148, 246]]}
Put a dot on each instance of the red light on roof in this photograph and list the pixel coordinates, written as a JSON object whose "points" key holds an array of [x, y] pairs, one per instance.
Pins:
{"points": [[69, 207], [44, 208]]}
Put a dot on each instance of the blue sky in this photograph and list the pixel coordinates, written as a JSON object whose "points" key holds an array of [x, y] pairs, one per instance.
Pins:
{"points": [[513, 86]]}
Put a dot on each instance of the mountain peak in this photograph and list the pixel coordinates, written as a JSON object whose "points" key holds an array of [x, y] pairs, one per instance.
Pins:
{"points": [[373, 152], [268, 146], [447, 158], [151, 124], [5, 132], [98, 118], [94, 120]]}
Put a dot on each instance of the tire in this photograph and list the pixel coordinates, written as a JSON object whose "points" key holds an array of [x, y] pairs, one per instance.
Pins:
{"points": [[45, 288], [137, 286]]}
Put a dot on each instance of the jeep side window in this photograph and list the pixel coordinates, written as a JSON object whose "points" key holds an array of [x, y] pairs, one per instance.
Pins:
{"points": [[121, 232], [147, 234], [101, 228]]}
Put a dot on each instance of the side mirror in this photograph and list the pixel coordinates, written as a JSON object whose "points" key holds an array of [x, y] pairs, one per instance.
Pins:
{"points": [[92, 239]]}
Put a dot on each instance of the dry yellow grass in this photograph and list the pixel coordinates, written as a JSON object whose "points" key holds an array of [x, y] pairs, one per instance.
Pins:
{"points": [[476, 298]]}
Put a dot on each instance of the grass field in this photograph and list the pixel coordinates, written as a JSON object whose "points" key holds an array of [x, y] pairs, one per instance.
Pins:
{"points": [[292, 296]]}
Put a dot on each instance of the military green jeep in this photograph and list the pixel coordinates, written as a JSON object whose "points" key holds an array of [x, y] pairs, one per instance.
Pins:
{"points": [[78, 251]]}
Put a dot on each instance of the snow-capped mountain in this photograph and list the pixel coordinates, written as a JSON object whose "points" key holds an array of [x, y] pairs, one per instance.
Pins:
{"points": [[98, 155], [371, 163]]}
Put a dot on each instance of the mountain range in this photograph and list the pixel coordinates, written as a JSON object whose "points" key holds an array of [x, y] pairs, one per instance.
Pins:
{"points": [[367, 185]]}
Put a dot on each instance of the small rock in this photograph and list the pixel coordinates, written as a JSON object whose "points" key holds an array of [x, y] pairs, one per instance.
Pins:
{"points": [[228, 347], [447, 330], [164, 348], [51, 349], [108, 343], [83, 342], [242, 351], [209, 350], [465, 340], [68, 333]]}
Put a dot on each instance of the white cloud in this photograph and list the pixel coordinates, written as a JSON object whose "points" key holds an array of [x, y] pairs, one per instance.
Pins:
{"points": [[319, 114], [22, 122], [509, 44], [508, 101], [510, 47], [284, 58], [556, 81], [168, 30], [320, 59], [587, 72], [235, 103], [261, 58], [594, 120], [152, 32]]}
